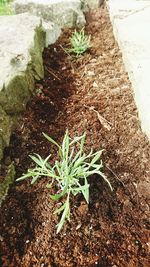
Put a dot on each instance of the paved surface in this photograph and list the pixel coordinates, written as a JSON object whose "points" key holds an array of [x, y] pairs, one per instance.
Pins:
{"points": [[131, 24]]}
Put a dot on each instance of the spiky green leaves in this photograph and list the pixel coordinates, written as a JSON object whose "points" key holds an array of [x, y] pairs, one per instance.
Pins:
{"points": [[79, 42], [70, 172]]}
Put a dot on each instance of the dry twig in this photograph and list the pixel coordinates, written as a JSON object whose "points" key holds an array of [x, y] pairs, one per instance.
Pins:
{"points": [[52, 73]]}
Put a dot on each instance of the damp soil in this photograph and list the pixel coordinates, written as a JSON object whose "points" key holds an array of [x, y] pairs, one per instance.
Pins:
{"points": [[91, 94]]}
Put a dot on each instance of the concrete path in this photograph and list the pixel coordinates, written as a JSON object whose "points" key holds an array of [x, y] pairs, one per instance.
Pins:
{"points": [[131, 24]]}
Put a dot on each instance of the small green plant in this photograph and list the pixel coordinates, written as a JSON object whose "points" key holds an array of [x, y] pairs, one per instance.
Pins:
{"points": [[79, 42], [70, 172]]}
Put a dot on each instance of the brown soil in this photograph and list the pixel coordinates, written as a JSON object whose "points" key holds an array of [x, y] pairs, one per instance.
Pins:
{"points": [[93, 94]]}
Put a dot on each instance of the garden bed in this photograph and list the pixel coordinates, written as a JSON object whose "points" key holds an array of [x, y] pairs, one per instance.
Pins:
{"points": [[91, 94]]}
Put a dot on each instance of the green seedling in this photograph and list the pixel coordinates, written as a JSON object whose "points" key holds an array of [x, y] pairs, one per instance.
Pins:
{"points": [[70, 172], [79, 42]]}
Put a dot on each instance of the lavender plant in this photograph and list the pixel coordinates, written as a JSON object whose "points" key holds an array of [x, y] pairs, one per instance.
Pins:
{"points": [[70, 172]]}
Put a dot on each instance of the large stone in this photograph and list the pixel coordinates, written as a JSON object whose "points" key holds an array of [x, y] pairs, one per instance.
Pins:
{"points": [[22, 41], [53, 31], [92, 4], [65, 13], [20, 59]]}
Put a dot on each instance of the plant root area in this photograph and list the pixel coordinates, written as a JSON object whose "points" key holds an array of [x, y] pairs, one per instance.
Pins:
{"points": [[91, 94]]}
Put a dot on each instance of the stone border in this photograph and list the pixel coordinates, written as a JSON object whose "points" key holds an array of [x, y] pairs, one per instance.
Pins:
{"points": [[22, 63]]}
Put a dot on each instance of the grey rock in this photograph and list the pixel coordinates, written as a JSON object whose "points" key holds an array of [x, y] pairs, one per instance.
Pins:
{"points": [[91, 4], [53, 31], [20, 59], [20, 64], [65, 13]]}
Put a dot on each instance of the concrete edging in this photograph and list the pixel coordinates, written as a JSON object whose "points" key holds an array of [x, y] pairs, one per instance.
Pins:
{"points": [[131, 23]]}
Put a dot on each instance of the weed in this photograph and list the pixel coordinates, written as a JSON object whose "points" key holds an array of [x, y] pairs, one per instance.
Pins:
{"points": [[70, 172], [79, 42]]}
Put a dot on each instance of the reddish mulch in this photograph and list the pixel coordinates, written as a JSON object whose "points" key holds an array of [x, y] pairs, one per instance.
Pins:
{"points": [[114, 229]]}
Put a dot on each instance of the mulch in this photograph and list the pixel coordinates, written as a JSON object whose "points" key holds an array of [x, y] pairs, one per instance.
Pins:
{"points": [[91, 94]]}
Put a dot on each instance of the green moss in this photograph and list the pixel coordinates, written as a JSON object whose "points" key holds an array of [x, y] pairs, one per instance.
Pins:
{"points": [[36, 53], [9, 179], [5, 130], [5, 8], [14, 98]]}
